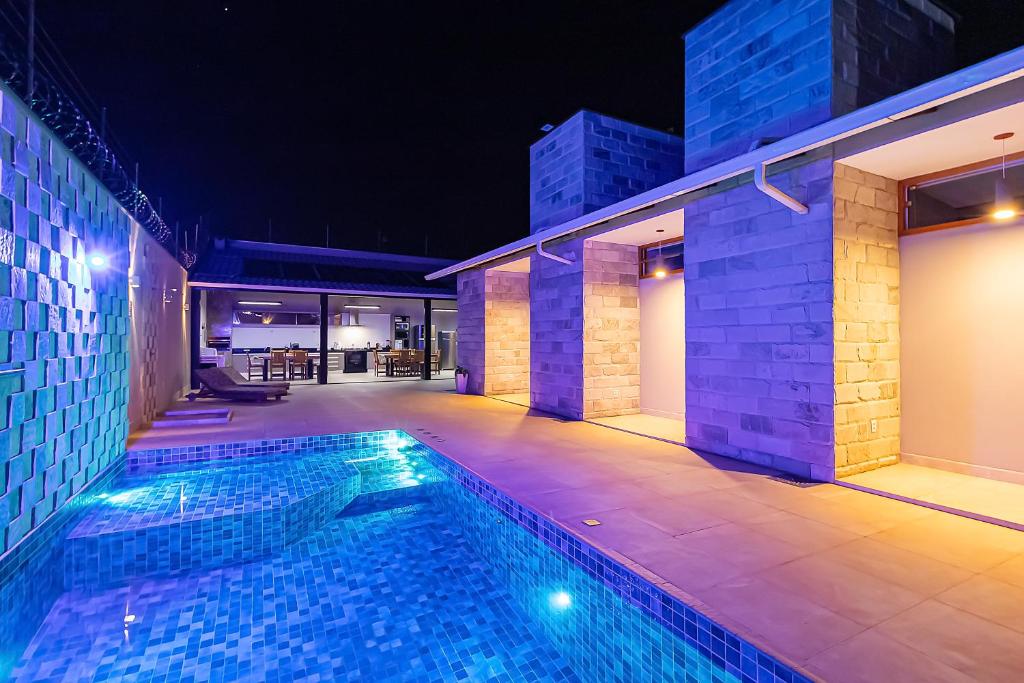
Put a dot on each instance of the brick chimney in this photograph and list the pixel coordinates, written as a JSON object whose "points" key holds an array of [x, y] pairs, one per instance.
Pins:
{"points": [[758, 69]]}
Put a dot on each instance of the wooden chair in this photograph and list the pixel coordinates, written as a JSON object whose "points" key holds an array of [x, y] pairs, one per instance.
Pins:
{"points": [[403, 363], [278, 364], [380, 363], [253, 366], [299, 366]]}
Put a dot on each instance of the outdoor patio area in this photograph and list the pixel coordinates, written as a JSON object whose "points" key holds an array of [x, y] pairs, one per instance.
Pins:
{"points": [[846, 585]]}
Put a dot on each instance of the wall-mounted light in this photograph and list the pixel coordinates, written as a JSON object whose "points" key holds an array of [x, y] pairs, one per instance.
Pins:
{"points": [[260, 303], [98, 260], [1004, 207], [362, 307]]}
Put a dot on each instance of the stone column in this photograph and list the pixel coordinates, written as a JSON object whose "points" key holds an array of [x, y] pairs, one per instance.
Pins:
{"points": [[471, 339], [611, 336], [759, 343], [867, 332], [556, 331]]}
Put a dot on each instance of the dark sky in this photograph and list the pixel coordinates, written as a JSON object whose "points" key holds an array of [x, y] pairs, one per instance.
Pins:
{"points": [[406, 118]]}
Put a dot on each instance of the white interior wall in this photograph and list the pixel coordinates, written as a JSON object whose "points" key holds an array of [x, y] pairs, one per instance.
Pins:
{"points": [[962, 349], [373, 328], [662, 347]]}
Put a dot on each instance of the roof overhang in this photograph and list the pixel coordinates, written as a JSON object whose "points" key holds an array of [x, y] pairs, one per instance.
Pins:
{"points": [[982, 76], [324, 290]]}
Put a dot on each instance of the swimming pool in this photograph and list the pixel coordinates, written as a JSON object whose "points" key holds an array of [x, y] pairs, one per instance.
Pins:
{"points": [[351, 557]]}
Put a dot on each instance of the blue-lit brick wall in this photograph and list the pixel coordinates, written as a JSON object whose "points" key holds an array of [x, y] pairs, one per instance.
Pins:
{"points": [[758, 69], [591, 161], [63, 327]]}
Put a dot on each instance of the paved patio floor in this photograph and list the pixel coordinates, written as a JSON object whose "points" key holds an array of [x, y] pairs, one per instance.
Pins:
{"points": [[998, 500], [847, 585]]}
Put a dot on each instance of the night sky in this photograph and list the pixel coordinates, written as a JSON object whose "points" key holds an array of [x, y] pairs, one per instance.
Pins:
{"points": [[407, 119]]}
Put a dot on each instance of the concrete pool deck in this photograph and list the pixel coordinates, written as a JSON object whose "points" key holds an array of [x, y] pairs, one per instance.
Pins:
{"points": [[846, 585]]}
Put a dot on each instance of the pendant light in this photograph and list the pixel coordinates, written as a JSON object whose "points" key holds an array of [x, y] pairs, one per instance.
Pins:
{"points": [[660, 270], [1004, 207]]}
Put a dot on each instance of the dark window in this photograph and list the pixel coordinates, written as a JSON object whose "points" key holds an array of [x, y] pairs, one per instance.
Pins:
{"points": [[959, 197]]}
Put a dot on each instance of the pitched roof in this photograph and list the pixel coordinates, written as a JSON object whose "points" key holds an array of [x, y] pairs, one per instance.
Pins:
{"points": [[295, 267]]}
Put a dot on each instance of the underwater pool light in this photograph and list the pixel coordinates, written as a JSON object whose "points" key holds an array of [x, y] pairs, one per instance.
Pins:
{"points": [[561, 600]]}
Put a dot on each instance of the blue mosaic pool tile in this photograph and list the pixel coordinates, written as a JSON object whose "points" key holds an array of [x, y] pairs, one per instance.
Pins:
{"points": [[184, 517], [417, 579], [389, 590], [32, 573]]}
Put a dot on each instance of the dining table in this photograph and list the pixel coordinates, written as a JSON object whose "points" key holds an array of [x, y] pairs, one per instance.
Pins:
{"points": [[311, 363]]}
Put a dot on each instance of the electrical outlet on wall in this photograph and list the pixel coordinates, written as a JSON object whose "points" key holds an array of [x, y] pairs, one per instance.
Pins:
{"points": [[874, 426]]}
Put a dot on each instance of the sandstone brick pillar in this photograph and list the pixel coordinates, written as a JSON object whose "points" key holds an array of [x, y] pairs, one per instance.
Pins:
{"points": [[611, 323], [507, 333], [867, 303], [470, 349]]}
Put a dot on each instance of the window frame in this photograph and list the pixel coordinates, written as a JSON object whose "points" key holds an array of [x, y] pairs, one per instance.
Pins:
{"points": [[907, 184], [654, 245]]}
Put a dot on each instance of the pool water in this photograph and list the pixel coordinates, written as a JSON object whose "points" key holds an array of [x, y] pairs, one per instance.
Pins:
{"points": [[357, 565]]}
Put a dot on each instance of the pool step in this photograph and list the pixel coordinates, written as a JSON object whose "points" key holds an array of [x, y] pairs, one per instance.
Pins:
{"points": [[189, 418], [166, 520]]}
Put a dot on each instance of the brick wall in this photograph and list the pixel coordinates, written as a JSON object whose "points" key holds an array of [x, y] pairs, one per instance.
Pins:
{"points": [[556, 331], [507, 330], [759, 339], [867, 342], [611, 337], [591, 161], [758, 69], [63, 328], [470, 350]]}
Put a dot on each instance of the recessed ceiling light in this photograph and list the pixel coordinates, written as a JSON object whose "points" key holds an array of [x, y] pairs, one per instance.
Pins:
{"points": [[362, 307], [260, 303]]}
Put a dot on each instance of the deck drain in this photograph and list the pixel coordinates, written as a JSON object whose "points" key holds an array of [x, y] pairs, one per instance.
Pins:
{"points": [[592, 522], [794, 480]]}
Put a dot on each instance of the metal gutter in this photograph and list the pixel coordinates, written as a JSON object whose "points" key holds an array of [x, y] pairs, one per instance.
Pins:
{"points": [[989, 73]]}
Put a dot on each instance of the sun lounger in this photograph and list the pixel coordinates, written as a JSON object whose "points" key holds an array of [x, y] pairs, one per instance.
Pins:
{"points": [[216, 384], [239, 379]]}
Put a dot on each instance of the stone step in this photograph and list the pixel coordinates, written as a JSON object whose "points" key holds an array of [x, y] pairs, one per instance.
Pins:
{"points": [[203, 515]]}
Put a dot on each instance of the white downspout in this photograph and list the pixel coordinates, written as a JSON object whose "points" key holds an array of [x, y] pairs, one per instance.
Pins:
{"points": [[553, 257], [761, 183]]}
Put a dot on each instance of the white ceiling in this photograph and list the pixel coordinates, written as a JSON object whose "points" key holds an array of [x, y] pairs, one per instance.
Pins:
{"points": [[518, 266], [646, 231], [957, 144]]}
